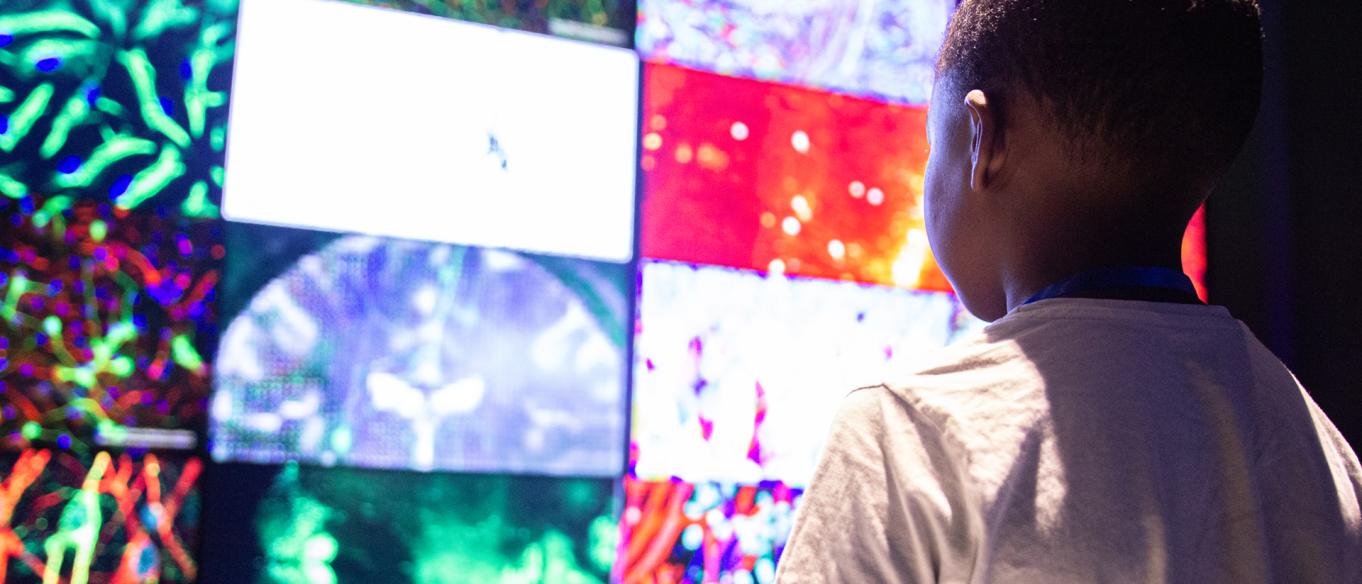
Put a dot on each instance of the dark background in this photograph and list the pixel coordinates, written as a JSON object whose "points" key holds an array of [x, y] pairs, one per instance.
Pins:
{"points": [[1285, 227]]}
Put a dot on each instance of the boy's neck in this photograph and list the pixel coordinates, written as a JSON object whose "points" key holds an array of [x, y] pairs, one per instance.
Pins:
{"points": [[1057, 258]]}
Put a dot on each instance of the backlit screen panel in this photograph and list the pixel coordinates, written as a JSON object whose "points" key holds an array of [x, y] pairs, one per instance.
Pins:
{"points": [[396, 124], [99, 517], [875, 48], [738, 374], [304, 524], [674, 531], [385, 353], [109, 325], [777, 178], [124, 102]]}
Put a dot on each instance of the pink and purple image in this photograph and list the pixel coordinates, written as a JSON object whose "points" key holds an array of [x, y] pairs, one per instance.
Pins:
{"points": [[737, 374]]}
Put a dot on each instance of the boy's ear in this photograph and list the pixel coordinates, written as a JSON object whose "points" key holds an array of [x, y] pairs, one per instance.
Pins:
{"points": [[986, 146]]}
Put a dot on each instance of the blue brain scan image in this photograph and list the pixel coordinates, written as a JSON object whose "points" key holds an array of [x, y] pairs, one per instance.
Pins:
{"points": [[396, 354]]}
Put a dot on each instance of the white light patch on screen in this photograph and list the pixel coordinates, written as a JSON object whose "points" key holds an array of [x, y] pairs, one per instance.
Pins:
{"points": [[738, 375], [359, 119]]}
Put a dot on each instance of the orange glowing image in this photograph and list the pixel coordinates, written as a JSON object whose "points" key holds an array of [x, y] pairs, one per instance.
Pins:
{"points": [[783, 179]]}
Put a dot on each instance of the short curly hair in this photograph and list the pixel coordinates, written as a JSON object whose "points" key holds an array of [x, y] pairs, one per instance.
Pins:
{"points": [[1170, 87]]}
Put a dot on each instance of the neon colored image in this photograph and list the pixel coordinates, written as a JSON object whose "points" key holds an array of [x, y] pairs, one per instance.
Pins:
{"points": [[738, 375], [708, 532], [608, 21], [873, 48], [107, 319], [406, 355], [100, 518], [118, 101], [326, 525], [786, 180]]}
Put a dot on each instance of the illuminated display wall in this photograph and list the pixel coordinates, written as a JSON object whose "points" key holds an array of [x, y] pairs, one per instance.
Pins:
{"points": [[465, 291], [112, 130]]}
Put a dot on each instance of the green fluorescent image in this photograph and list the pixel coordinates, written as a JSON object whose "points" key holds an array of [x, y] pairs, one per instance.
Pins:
{"points": [[115, 100], [317, 525]]}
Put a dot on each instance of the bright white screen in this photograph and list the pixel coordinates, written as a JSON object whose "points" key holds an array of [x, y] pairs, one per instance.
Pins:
{"points": [[359, 119]]}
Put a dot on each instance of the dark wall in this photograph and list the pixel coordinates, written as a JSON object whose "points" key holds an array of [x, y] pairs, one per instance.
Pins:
{"points": [[1286, 225]]}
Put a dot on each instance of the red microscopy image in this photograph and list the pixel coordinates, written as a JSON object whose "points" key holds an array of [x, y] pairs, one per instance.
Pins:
{"points": [[107, 319], [777, 178]]}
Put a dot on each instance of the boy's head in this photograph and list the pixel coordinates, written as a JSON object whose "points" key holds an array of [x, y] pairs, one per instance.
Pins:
{"points": [[1070, 134]]}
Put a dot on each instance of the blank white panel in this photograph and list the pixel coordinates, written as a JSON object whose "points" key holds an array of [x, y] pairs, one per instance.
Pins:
{"points": [[358, 119]]}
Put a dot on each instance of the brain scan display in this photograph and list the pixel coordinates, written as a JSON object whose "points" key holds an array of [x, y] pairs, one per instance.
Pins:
{"points": [[385, 353]]}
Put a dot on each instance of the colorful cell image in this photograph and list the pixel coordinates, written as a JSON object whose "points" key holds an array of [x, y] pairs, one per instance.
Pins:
{"points": [[116, 101], [872, 48], [783, 180], [533, 146], [738, 374], [325, 525], [708, 532], [103, 517], [407, 355], [108, 322], [605, 21]]}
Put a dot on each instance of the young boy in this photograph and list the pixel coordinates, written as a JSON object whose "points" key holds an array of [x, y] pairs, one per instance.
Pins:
{"points": [[1107, 427]]}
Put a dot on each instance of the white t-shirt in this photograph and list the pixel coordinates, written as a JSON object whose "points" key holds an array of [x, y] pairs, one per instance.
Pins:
{"points": [[1087, 441]]}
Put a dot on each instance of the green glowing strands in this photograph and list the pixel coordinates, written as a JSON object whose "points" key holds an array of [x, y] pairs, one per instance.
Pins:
{"points": [[143, 76], [185, 355], [6, 94], [78, 529], [114, 149], [67, 50], [11, 187], [47, 21], [111, 13], [121, 333], [197, 97], [153, 179], [197, 205], [122, 367], [73, 114], [32, 431], [83, 376], [18, 286], [161, 15], [24, 116], [54, 207], [111, 432]]}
